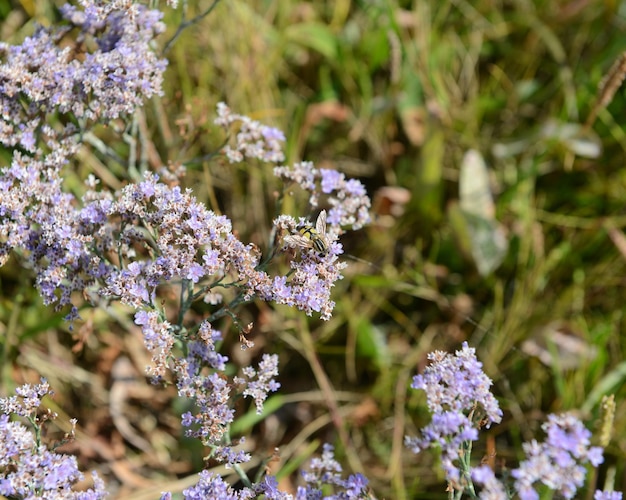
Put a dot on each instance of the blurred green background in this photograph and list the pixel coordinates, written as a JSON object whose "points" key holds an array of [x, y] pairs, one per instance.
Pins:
{"points": [[496, 169]]}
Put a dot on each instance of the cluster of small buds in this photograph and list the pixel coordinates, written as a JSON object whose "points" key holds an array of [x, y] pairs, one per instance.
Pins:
{"points": [[326, 471], [559, 462], [458, 396], [607, 495], [40, 78], [259, 383], [347, 197], [253, 139], [212, 392], [324, 475], [27, 468]]}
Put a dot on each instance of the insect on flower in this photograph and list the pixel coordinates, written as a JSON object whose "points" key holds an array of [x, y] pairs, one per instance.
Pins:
{"points": [[312, 237]]}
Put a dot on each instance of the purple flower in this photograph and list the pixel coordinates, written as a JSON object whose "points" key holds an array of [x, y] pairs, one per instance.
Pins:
{"points": [[331, 180], [558, 463], [27, 399], [212, 487], [325, 473], [607, 495], [457, 383], [259, 383], [27, 468], [269, 488], [458, 396], [491, 488], [448, 431], [253, 139], [356, 485], [348, 199]]}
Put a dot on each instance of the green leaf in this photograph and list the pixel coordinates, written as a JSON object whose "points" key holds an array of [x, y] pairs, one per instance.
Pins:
{"points": [[371, 343], [314, 36]]}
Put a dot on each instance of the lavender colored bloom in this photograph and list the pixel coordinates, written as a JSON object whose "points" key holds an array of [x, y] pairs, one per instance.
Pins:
{"points": [[347, 197], [211, 394], [312, 278], [269, 487], [39, 76], [331, 180], [253, 139], [457, 383], [448, 431], [326, 472], [356, 486], [212, 487], [492, 489], [27, 399], [559, 462], [42, 80], [607, 495], [229, 456], [457, 393], [27, 468], [259, 383]]}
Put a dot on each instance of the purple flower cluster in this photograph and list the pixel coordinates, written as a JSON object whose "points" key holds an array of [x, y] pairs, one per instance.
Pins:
{"points": [[458, 396], [259, 383], [212, 392], [491, 487], [128, 246], [309, 284], [188, 244], [253, 140], [39, 82], [557, 463], [27, 468], [326, 471], [212, 487], [607, 495], [40, 78], [324, 474], [458, 384], [347, 197]]}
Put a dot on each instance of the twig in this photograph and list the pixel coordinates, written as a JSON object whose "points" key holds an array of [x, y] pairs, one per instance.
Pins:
{"points": [[185, 24]]}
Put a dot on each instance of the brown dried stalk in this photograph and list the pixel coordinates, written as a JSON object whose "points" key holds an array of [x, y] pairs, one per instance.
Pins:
{"points": [[608, 86]]}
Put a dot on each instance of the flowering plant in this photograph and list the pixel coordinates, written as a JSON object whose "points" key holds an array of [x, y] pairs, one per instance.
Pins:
{"points": [[137, 243], [130, 245], [458, 396]]}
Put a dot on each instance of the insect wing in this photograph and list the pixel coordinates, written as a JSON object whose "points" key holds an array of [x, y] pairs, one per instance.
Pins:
{"points": [[320, 225], [298, 240]]}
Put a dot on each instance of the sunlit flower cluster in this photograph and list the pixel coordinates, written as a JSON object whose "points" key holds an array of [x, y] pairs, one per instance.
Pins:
{"points": [[458, 384], [348, 200], [459, 398], [27, 468], [253, 140], [42, 79], [133, 245], [558, 462], [323, 476], [39, 77]]}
